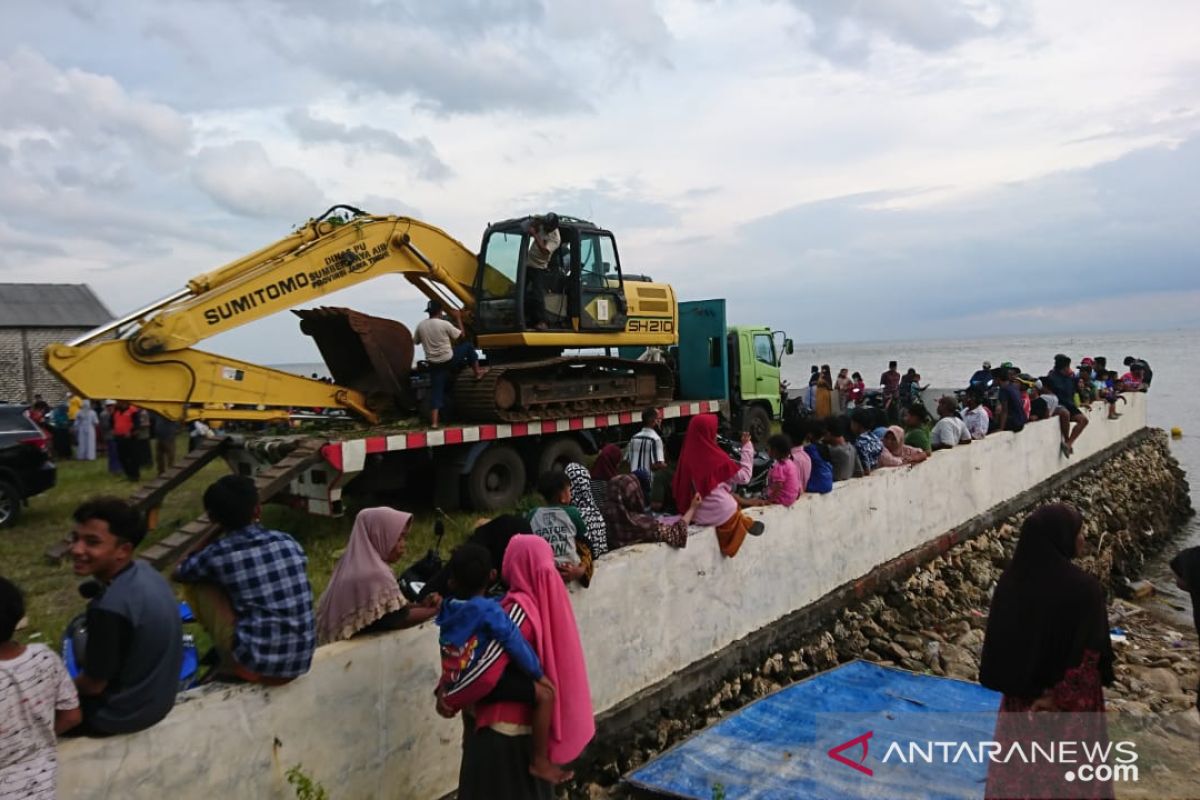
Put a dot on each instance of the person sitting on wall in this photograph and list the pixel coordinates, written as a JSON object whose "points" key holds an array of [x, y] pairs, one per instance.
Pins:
{"points": [[1010, 410], [606, 467], [363, 595], [975, 416], [1144, 366], [842, 456], [437, 338], [129, 672], [707, 470], [916, 427], [866, 442], [784, 482], [1061, 381], [249, 589], [561, 524], [896, 453], [950, 430], [812, 458], [628, 523]]}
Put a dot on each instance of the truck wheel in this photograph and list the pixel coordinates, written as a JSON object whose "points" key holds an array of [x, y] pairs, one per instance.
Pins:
{"points": [[497, 480], [756, 420], [10, 504], [558, 453]]}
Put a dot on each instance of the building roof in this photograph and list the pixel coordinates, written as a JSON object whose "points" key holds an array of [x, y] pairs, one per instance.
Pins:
{"points": [[50, 305]]}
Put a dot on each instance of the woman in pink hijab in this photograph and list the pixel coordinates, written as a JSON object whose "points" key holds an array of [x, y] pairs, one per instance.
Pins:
{"points": [[496, 753], [896, 453], [363, 596]]}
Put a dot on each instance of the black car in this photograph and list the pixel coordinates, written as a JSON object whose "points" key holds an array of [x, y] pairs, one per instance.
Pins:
{"points": [[25, 465]]}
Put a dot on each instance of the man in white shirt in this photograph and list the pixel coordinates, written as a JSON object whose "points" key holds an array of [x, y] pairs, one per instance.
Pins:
{"points": [[436, 336], [949, 430], [544, 239], [976, 416], [645, 450]]}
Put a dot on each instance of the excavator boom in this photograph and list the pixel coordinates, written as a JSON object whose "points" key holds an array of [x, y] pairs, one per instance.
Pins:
{"points": [[152, 361]]}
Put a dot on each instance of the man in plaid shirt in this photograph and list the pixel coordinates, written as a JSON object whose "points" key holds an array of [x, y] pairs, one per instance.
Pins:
{"points": [[250, 590]]}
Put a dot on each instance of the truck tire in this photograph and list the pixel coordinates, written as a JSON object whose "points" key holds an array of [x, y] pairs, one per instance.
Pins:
{"points": [[559, 452], [10, 504], [756, 420], [497, 479]]}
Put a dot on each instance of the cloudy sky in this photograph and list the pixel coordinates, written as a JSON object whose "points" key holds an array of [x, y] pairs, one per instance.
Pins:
{"points": [[844, 169]]}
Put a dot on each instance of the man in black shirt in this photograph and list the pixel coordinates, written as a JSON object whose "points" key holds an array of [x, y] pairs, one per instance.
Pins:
{"points": [[1010, 412], [130, 671], [1062, 382]]}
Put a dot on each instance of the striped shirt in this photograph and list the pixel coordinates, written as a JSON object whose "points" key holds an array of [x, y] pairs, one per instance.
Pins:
{"points": [[645, 450]]}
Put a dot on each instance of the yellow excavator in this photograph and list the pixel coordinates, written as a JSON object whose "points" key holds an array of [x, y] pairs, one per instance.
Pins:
{"points": [[148, 356]]}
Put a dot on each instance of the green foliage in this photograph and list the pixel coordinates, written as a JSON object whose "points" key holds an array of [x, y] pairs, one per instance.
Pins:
{"points": [[718, 791], [306, 788]]}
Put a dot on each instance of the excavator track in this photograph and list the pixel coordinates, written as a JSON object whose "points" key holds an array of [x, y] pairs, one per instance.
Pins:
{"points": [[562, 387]]}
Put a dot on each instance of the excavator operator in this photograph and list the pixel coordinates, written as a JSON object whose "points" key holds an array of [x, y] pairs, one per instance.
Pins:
{"points": [[437, 337], [544, 240]]}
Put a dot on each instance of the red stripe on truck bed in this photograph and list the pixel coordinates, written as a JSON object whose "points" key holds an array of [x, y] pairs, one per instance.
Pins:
{"points": [[377, 444], [332, 453]]}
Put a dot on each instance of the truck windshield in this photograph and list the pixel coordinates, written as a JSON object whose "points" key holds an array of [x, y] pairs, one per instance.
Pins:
{"points": [[764, 348]]}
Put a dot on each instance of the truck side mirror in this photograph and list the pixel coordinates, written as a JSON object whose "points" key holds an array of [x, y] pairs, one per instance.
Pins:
{"points": [[788, 347]]}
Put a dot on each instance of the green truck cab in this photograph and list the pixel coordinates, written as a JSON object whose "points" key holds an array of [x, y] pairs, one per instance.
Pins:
{"points": [[755, 395], [738, 364]]}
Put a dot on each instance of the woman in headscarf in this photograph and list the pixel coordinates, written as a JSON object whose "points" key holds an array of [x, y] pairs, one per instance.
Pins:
{"points": [[86, 420], [496, 749], [1186, 567], [707, 470], [823, 399], [841, 391], [628, 522], [608, 464], [363, 596], [1047, 648], [581, 498], [896, 453]]}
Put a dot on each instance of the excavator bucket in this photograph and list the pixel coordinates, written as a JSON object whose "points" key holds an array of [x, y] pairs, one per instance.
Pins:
{"points": [[371, 354]]}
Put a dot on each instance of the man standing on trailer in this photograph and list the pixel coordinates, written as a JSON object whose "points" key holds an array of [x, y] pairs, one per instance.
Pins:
{"points": [[544, 239], [437, 336]]}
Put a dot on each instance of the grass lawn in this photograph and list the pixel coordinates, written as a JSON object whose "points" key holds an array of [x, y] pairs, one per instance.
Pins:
{"points": [[51, 598]]}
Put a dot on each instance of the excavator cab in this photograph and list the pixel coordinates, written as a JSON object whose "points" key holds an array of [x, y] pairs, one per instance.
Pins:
{"points": [[585, 291]]}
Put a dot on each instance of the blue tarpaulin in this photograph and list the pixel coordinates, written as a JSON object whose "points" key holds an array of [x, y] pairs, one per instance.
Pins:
{"points": [[895, 734]]}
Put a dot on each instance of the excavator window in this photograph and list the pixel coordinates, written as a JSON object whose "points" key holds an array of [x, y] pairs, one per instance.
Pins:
{"points": [[497, 283]]}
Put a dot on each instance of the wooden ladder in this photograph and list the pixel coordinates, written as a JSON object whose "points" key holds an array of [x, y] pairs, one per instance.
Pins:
{"points": [[148, 498], [269, 483]]}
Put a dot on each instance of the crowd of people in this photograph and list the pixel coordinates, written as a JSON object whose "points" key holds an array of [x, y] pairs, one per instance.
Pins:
{"points": [[844, 416], [512, 662], [129, 437]]}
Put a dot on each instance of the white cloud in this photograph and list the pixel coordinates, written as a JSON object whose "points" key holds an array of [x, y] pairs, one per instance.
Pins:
{"points": [[241, 178], [419, 151], [92, 110]]}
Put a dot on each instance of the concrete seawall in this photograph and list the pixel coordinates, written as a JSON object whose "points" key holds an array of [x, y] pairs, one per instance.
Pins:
{"points": [[362, 722]]}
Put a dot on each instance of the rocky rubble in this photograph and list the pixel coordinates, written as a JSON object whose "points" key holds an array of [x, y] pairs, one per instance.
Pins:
{"points": [[933, 622]]}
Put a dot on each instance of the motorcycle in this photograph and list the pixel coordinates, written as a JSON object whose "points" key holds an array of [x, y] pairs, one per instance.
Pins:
{"points": [[413, 580]]}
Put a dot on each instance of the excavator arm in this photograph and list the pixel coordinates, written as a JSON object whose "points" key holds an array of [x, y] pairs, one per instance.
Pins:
{"points": [[153, 363]]}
